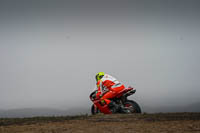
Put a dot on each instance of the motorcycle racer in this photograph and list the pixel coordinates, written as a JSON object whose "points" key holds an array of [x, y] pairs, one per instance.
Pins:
{"points": [[108, 87]]}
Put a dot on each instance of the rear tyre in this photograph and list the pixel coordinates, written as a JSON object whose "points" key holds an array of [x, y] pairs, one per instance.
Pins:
{"points": [[132, 106], [94, 110]]}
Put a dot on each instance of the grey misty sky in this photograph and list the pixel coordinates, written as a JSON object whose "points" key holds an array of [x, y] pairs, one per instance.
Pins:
{"points": [[50, 51]]}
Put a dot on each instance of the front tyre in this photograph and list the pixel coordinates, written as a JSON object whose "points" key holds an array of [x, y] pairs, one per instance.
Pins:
{"points": [[94, 110], [132, 106]]}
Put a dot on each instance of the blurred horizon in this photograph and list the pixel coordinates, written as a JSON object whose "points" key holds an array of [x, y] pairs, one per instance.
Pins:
{"points": [[51, 50]]}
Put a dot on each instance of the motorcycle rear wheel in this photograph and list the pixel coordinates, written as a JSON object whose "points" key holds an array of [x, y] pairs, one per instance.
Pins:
{"points": [[132, 106]]}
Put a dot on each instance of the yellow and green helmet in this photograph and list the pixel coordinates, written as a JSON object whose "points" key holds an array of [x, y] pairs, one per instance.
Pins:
{"points": [[99, 76]]}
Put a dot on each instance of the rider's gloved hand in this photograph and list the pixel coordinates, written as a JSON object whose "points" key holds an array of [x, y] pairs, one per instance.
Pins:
{"points": [[98, 96]]}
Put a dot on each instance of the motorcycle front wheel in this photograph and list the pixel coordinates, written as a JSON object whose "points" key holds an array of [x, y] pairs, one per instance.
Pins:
{"points": [[94, 110]]}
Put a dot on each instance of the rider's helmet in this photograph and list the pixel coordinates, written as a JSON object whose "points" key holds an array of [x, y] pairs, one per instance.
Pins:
{"points": [[99, 76]]}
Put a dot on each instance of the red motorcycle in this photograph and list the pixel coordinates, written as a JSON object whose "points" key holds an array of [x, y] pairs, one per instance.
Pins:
{"points": [[130, 106]]}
